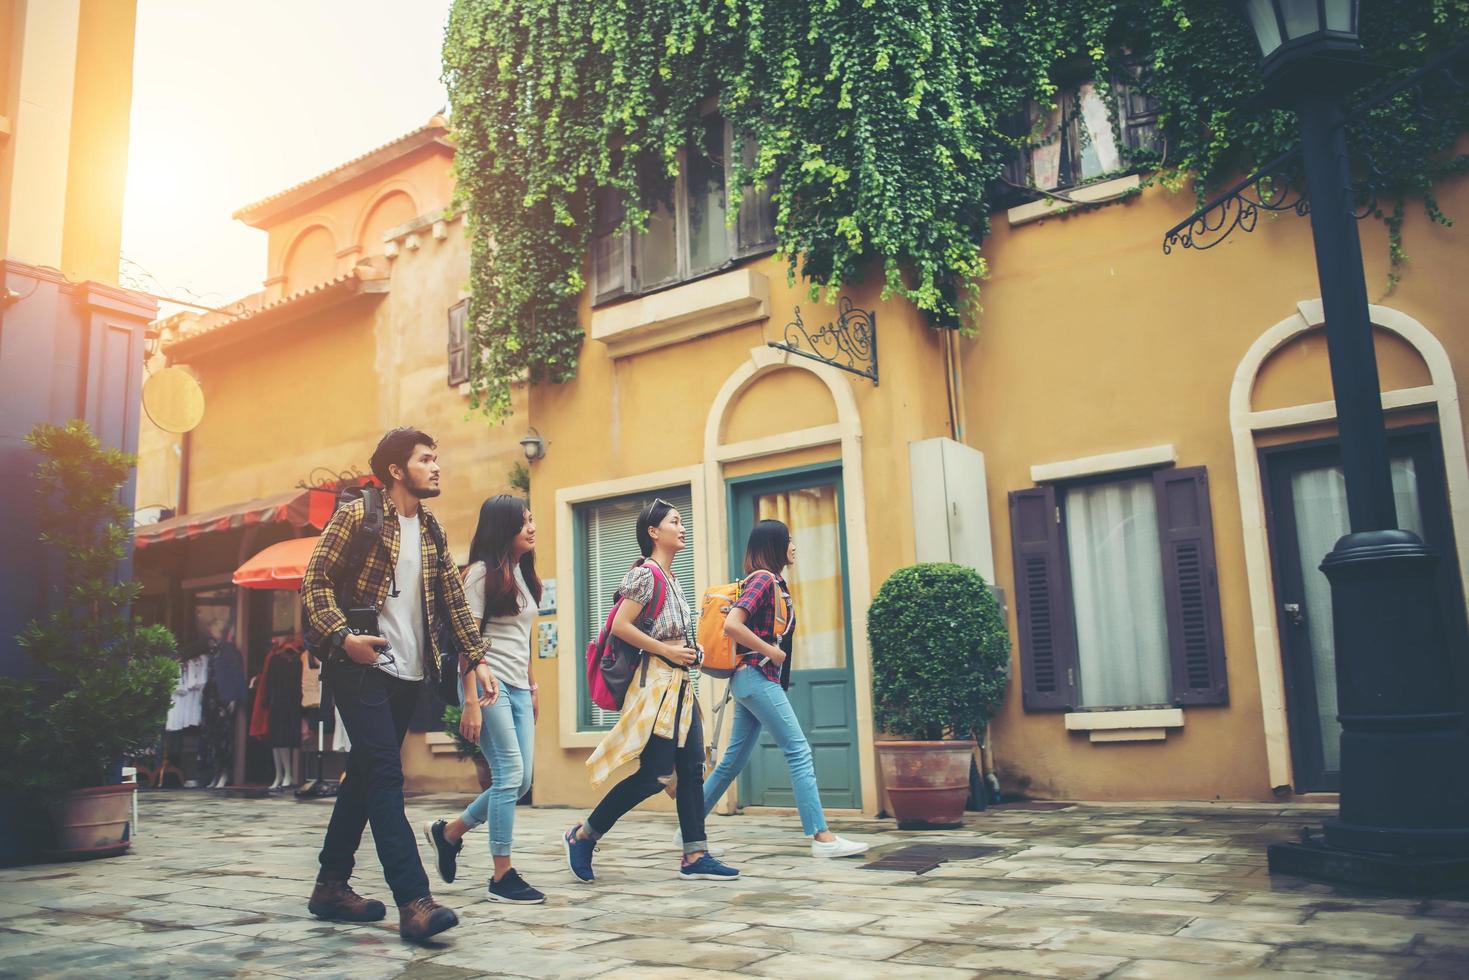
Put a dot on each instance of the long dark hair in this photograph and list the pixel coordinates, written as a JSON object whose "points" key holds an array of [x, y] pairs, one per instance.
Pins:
{"points": [[501, 519], [770, 541], [651, 517]]}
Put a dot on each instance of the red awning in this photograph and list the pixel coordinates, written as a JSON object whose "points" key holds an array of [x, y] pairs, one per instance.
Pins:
{"points": [[299, 508], [278, 567]]}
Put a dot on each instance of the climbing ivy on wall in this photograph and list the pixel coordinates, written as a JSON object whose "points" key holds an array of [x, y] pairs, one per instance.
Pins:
{"points": [[882, 127]]}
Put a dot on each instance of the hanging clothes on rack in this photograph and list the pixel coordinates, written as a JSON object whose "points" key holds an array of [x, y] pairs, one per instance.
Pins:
{"points": [[223, 692], [283, 697], [187, 707]]}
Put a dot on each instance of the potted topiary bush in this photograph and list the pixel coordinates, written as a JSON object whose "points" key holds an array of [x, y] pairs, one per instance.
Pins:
{"points": [[940, 662], [100, 683], [464, 748]]}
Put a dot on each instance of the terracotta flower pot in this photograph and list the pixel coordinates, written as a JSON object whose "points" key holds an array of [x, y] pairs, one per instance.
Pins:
{"points": [[95, 821], [482, 770], [927, 782]]}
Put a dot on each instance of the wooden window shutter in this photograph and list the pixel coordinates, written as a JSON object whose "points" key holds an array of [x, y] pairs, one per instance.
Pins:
{"points": [[755, 225], [459, 343], [1191, 586], [611, 249], [1042, 602], [1137, 113]]}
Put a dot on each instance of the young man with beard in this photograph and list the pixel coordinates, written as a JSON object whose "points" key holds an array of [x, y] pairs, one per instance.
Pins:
{"points": [[409, 578]]}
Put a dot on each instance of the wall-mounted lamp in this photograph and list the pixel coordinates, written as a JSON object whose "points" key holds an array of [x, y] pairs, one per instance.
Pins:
{"points": [[534, 445]]}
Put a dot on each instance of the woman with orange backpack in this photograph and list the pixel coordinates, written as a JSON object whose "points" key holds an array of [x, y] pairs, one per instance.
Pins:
{"points": [[760, 680]]}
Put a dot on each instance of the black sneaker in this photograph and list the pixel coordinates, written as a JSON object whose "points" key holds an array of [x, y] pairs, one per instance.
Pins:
{"points": [[447, 854], [512, 888]]}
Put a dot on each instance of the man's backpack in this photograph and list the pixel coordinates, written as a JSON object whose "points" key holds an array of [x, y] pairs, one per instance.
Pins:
{"points": [[612, 661], [364, 539], [721, 658]]}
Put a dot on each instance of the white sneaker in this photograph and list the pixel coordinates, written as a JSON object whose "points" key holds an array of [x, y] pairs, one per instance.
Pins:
{"points": [[839, 847], [709, 849]]}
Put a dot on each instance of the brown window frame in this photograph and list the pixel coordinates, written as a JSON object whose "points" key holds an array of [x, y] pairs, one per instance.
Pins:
{"points": [[745, 239]]}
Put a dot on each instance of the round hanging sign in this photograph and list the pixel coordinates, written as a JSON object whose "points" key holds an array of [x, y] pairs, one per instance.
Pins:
{"points": [[173, 399]]}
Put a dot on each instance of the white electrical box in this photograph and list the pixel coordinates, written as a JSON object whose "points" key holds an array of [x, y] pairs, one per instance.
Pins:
{"points": [[951, 519]]}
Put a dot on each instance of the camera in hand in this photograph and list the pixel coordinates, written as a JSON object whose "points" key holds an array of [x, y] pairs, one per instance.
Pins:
{"points": [[363, 622]]}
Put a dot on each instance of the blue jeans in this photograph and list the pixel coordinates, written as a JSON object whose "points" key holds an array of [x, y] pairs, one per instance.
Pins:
{"points": [[508, 741], [760, 702]]}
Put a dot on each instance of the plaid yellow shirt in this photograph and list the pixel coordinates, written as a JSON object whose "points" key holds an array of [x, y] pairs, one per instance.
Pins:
{"points": [[650, 708], [372, 581]]}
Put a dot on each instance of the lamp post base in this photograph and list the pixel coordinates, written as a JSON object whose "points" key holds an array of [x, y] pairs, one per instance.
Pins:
{"points": [[1317, 860]]}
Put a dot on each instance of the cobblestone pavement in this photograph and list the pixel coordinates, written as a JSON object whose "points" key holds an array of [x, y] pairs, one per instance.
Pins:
{"points": [[218, 887]]}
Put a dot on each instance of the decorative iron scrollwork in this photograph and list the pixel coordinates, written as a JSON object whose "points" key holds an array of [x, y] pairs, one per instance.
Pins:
{"points": [[1274, 188], [326, 478], [1426, 98], [849, 342]]}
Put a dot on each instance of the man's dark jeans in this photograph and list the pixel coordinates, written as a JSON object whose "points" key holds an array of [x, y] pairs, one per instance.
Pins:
{"points": [[376, 710]]}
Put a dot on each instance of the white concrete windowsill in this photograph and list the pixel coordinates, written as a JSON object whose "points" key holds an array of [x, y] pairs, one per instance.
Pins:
{"points": [[439, 743], [1099, 193], [1141, 725], [705, 306], [1131, 459]]}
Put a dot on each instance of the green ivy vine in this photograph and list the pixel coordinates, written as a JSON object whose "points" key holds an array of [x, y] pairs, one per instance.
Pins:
{"points": [[883, 129]]}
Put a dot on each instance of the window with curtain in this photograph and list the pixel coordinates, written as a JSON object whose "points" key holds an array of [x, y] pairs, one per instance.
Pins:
{"points": [[1089, 133], [815, 580], [1320, 500], [1117, 593], [605, 549], [688, 234]]}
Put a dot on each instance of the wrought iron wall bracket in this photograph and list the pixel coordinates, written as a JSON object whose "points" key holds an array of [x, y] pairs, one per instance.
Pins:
{"points": [[1430, 93], [848, 343]]}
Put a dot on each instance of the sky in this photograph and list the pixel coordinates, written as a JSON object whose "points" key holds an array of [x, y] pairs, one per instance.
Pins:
{"points": [[233, 102]]}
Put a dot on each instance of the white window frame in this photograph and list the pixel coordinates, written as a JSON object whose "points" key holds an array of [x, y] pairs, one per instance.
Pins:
{"points": [[573, 735]]}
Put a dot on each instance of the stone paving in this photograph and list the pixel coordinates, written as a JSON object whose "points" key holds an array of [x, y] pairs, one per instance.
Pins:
{"points": [[217, 887]]}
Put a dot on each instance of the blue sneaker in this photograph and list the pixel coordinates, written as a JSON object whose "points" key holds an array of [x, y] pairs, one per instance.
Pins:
{"points": [[707, 869], [579, 854]]}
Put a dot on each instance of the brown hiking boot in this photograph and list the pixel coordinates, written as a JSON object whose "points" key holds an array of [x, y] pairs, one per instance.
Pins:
{"points": [[422, 918], [336, 900]]}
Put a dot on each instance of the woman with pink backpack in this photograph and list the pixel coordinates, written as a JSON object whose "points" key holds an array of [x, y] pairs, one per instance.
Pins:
{"points": [[660, 724]]}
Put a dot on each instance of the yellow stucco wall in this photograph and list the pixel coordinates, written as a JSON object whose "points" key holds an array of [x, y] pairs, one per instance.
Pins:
{"points": [[67, 92], [320, 392], [647, 412], [1093, 341]]}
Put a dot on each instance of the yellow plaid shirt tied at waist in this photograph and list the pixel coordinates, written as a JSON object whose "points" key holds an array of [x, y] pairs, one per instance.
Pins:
{"points": [[652, 707]]}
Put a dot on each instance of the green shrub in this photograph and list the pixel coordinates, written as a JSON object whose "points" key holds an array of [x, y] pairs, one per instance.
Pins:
{"points": [[463, 747], [101, 683], [940, 652]]}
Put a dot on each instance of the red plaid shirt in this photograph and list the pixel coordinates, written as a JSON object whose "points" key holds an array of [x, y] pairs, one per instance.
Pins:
{"points": [[757, 599]]}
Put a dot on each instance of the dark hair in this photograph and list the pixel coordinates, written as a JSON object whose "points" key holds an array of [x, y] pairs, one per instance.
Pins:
{"points": [[770, 540], [395, 448], [501, 519], [651, 517]]}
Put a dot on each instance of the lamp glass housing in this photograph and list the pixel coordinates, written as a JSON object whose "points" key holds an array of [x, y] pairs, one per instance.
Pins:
{"points": [[1303, 33]]}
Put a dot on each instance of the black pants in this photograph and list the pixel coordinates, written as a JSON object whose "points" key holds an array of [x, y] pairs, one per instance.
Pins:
{"points": [[376, 710], [660, 759]]}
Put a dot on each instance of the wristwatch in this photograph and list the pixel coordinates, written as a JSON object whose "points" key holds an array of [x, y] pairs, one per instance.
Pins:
{"points": [[339, 636]]}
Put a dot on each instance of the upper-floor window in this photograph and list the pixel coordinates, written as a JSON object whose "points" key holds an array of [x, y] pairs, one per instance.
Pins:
{"points": [[459, 343], [1089, 133], [687, 235]]}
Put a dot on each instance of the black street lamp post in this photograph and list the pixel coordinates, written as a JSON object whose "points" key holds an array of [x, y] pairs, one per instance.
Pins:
{"points": [[1404, 819]]}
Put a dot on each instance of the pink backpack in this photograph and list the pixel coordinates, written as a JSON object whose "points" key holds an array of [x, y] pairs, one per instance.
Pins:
{"points": [[611, 661]]}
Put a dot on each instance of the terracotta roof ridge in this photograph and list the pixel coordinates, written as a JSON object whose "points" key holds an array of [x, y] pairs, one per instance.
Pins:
{"points": [[436, 121]]}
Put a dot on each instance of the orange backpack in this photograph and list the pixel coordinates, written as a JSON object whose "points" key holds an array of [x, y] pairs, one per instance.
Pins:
{"points": [[720, 655]]}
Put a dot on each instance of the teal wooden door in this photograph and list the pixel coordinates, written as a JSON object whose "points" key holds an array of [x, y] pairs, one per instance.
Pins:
{"points": [[822, 691]]}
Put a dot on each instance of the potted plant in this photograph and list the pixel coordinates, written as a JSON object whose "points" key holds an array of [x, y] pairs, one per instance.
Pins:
{"points": [[100, 683], [940, 662], [464, 748]]}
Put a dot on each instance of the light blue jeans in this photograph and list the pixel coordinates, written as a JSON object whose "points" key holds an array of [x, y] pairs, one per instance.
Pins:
{"points": [[761, 703], [508, 741]]}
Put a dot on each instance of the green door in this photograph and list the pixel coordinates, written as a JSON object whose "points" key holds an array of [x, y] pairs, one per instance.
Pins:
{"points": [[822, 693]]}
